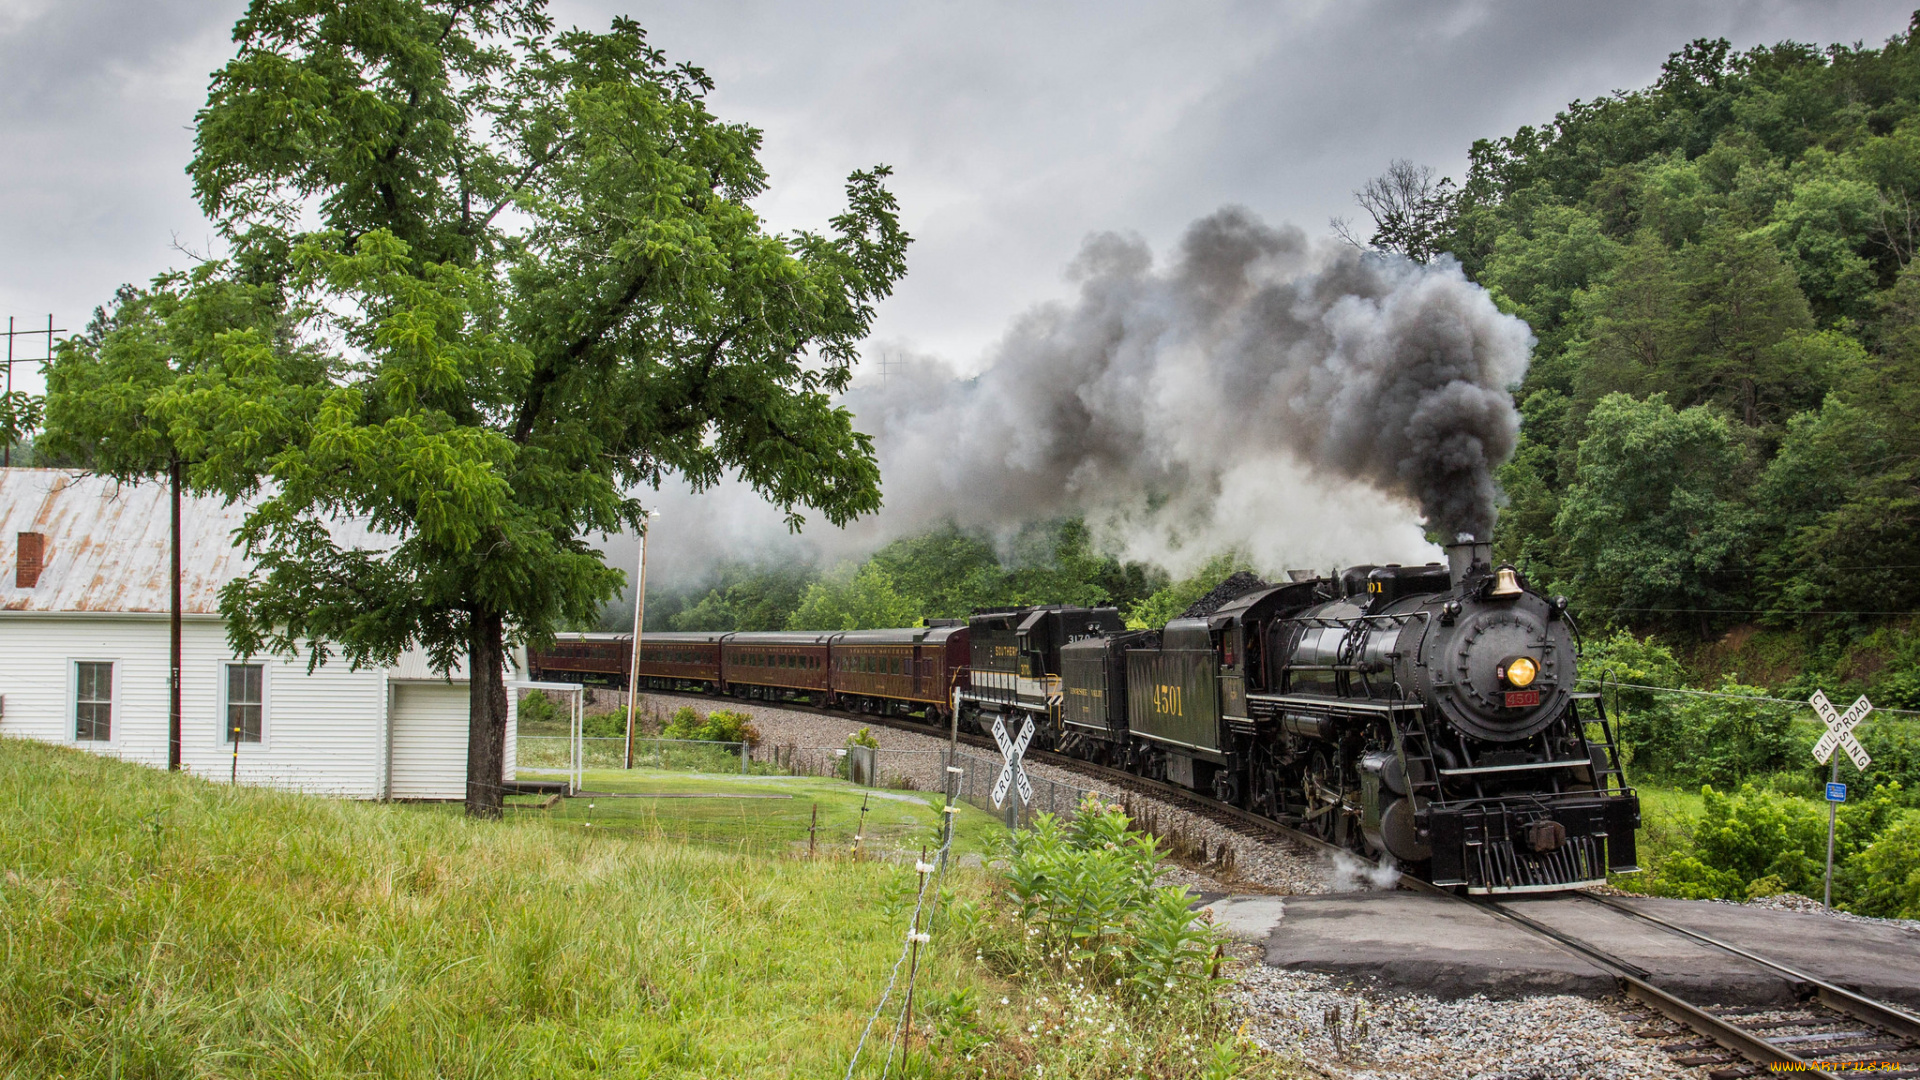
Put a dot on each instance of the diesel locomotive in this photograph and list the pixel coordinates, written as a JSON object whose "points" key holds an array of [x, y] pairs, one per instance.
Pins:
{"points": [[1427, 713]]}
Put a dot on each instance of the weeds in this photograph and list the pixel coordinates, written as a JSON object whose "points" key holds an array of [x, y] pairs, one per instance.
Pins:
{"points": [[1116, 977]]}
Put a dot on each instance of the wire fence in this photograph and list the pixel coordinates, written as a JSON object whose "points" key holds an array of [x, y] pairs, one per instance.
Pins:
{"points": [[905, 770], [925, 770], [551, 754], [1795, 702], [979, 773]]}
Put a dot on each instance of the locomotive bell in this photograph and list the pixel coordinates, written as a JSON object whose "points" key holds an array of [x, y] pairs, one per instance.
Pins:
{"points": [[1506, 584]]}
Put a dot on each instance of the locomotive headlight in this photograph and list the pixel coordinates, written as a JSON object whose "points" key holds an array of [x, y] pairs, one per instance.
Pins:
{"points": [[1520, 671]]}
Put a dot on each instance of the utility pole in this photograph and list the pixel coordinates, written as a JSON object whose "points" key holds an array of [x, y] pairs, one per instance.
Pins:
{"points": [[639, 617], [173, 688]]}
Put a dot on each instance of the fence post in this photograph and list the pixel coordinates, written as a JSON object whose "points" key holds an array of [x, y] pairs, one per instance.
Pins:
{"points": [[743, 758], [946, 828]]}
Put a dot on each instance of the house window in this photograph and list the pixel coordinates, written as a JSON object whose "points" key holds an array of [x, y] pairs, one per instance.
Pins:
{"points": [[93, 701], [246, 708]]}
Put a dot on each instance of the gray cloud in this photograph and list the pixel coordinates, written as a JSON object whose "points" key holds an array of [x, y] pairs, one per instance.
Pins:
{"points": [[1017, 130]]}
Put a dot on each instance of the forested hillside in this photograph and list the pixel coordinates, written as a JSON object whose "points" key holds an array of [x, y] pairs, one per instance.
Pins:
{"points": [[1722, 422], [943, 573]]}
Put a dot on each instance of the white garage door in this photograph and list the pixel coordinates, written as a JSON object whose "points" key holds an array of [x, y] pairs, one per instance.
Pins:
{"points": [[429, 741]]}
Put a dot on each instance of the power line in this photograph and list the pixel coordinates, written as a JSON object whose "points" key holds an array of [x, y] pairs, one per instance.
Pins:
{"points": [[1730, 697], [1753, 611]]}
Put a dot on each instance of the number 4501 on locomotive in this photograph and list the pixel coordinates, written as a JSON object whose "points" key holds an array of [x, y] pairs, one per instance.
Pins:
{"points": [[1426, 712]]}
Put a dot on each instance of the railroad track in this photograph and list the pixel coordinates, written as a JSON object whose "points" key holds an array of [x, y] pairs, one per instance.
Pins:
{"points": [[1829, 1024]]}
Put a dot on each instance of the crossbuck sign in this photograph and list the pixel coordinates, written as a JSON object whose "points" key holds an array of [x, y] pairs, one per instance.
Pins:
{"points": [[1011, 773], [1840, 727]]}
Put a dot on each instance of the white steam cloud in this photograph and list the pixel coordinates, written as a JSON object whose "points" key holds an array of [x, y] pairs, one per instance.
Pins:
{"points": [[1301, 401]]}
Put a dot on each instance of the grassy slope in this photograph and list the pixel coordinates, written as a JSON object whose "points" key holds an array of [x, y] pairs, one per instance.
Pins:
{"points": [[156, 925]]}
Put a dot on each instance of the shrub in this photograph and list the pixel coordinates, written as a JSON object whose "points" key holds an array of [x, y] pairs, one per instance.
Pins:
{"points": [[537, 710], [1884, 879], [1086, 894], [1641, 718], [1726, 740], [604, 725], [863, 737], [1894, 743], [1723, 741], [1746, 838], [720, 725]]}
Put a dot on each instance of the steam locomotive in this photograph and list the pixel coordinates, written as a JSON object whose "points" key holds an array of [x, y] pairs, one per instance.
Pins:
{"points": [[1423, 712]]}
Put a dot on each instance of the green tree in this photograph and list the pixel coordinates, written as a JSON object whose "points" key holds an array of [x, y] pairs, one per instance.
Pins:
{"points": [[1055, 563], [947, 572], [746, 597], [1634, 324], [1166, 604], [1742, 301], [107, 385], [1537, 270], [853, 597], [1653, 519], [494, 383]]}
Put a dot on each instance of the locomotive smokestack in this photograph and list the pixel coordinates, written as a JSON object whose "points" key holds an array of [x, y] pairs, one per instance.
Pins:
{"points": [[1465, 555]]}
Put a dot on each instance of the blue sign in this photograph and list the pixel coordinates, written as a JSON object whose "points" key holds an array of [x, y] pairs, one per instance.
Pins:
{"points": [[1836, 793]]}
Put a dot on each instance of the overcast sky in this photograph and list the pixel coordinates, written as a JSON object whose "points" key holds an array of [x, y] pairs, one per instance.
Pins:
{"points": [[1015, 129]]}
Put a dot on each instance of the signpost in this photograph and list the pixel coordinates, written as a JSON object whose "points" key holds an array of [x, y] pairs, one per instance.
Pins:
{"points": [[1012, 775], [1839, 735]]}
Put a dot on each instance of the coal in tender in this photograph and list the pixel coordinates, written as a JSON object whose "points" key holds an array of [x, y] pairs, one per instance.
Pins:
{"points": [[1237, 585]]}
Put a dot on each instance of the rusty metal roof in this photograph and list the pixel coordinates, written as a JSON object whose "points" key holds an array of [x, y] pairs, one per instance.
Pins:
{"points": [[107, 546]]}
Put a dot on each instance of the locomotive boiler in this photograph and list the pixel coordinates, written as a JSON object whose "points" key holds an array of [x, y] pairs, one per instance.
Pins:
{"points": [[1423, 712]]}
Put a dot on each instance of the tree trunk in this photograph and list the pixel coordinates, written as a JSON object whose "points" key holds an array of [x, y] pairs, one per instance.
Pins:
{"points": [[486, 715]]}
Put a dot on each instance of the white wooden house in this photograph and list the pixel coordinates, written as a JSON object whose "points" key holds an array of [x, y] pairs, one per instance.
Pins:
{"points": [[85, 597]]}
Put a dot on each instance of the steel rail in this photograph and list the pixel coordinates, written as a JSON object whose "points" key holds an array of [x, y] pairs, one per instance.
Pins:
{"points": [[1633, 979], [1837, 998]]}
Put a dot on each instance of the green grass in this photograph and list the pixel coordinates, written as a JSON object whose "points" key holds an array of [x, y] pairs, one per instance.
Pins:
{"points": [[156, 925], [895, 820], [1667, 817]]}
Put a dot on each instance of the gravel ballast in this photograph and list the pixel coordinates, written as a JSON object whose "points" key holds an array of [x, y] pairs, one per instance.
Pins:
{"points": [[1295, 1015]]}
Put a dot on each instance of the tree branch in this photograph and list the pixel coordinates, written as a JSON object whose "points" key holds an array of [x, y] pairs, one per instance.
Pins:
{"points": [[547, 374]]}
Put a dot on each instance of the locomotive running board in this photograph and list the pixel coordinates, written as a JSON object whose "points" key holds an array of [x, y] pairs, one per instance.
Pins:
{"points": [[1335, 704]]}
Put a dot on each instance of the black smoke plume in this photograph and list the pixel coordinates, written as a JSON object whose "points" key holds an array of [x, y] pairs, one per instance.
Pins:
{"points": [[1198, 401]]}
